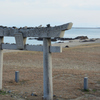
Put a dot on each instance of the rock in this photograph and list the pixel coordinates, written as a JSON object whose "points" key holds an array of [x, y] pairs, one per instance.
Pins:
{"points": [[9, 91], [39, 26], [54, 95], [65, 39], [66, 46], [14, 27], [11, 95], [81, 37], [48, 25], [60, 42], [89, 40], [25, 27], [34, 94]]}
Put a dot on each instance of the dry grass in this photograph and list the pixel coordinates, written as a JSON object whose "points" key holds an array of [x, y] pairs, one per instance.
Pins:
{"points": [[69, 69]]}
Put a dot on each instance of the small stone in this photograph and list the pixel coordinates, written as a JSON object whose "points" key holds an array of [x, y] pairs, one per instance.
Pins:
{"points": [[14, 27], [54, 95], [25, 97], [9, 91], [25, 27], [60, 96], [14, 96], [20, 28], [39, 26], [66, 46], [26, 93], [35, 94], [11, 95], [32, 94], [1, 26], [48, 25], [42, 97], [5, 27]]}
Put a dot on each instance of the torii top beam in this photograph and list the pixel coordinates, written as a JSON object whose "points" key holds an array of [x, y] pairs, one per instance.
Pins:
{"points": [[43, 32]]}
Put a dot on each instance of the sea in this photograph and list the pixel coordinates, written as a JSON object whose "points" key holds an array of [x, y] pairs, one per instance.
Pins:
{"points": [[72, 33]]}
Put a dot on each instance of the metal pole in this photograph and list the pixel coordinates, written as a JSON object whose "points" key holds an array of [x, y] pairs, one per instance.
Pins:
{"points": [[47, 70], [1, 61]]}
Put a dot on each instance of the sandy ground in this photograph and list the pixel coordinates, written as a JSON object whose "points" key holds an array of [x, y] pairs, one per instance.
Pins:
{"points": [[81, 59], [73, 43]]}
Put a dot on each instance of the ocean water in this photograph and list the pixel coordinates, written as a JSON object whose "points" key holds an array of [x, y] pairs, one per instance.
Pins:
{"points": [[90, 33], [72, 33]]}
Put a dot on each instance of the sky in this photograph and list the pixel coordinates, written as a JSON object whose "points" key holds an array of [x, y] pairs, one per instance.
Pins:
{"points": [[32, 13]]}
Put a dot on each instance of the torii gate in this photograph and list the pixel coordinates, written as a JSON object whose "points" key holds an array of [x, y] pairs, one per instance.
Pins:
{"points": [[46, 33]]}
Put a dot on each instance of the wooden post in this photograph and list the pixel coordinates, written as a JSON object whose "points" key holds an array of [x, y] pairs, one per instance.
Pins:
{"points": [[47, 70], [1, 61]]}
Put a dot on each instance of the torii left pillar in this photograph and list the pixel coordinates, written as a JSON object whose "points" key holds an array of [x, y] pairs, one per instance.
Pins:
{"points": [[1, 61]]}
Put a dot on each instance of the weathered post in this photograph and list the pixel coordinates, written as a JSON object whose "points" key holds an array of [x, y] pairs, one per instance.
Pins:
{"points": [[47, 70], [85, 83], [17, 76], [1, 61]]}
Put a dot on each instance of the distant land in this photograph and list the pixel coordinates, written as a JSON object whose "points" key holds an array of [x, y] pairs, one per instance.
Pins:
{"points": [[86, 27]]}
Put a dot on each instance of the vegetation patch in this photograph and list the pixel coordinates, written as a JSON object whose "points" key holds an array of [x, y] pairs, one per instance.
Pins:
{"points": [[94, 90], [87, 90], [3, 92]]}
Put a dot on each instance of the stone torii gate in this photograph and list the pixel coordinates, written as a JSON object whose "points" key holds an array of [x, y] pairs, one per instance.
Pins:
{"points": [[46, 33]]}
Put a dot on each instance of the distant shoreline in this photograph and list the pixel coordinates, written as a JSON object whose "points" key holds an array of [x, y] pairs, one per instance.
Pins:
{"points": [[86, 27], [71, 43], [77, 42]]}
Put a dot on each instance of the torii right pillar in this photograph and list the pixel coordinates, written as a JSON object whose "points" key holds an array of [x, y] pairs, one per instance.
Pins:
{"points": [[47, 70]]}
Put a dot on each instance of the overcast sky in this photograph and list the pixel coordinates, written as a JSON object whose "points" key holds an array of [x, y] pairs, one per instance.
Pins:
{"points": [[55, 12]]}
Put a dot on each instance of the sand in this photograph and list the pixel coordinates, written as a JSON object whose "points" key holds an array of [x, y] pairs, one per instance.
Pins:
{"points": [[73, 43], [81, 59]]}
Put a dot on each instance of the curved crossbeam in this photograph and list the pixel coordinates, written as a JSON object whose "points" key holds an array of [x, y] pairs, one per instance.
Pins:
{"points": [[45, 32]]}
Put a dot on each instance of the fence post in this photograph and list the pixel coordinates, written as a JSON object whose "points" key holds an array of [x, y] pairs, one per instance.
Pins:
{"points": [[47, 70], [17, 76], [85, 83], [1, 61]]}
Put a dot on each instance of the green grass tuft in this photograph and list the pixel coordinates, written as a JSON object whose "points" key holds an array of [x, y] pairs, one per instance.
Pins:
{"points": [[3, 92]]}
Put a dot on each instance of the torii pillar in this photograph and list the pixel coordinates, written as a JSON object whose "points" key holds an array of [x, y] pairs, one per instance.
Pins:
{"points": [[47, 70], [1, 62]]}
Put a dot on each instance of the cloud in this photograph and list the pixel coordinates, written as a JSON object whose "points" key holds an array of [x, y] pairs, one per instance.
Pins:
{"points": [[34, 12]]}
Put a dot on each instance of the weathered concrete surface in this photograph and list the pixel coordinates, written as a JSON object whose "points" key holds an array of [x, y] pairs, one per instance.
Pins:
{"points": [[47, 32], [1, 62], [31, 47], [47, 70]]}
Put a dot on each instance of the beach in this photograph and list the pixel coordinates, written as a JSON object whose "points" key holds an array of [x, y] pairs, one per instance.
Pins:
{"points": [[79, 59], [76, 42]]}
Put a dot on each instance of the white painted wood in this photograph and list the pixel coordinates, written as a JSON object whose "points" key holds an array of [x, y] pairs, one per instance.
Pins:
{"points": [[47, 70], [1, 62], [54, 49], [47, 32]]}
